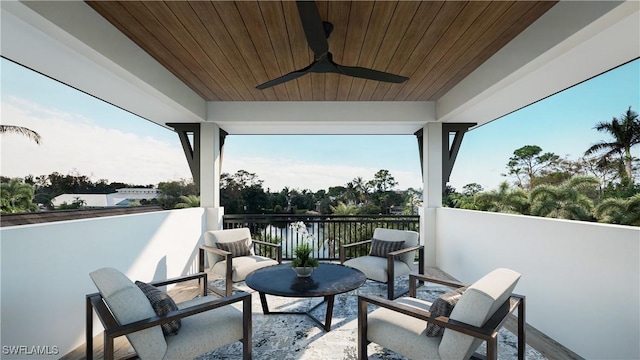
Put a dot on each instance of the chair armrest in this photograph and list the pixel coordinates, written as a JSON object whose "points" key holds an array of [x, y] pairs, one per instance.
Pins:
{"points": [[392, 305], [202, 248], [215, 250], [201, 275], [266, 243], [343, 248], [179, 279], [278, 248], [405, 250], [178, 314], [485, 332], [356, 243], [420, 277]]}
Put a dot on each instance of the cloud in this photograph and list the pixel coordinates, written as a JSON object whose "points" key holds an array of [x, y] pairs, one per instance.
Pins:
{"points": [[72, 144]]}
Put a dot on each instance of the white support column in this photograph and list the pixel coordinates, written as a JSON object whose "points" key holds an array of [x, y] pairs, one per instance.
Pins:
{"points": [[432, 188], [210, 170]]}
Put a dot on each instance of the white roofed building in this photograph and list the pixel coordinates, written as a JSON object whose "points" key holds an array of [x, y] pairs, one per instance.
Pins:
{"points": [[122, 197]]}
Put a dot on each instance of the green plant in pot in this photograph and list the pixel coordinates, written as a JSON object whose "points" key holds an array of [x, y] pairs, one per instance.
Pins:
{"points": [[303, 262]]}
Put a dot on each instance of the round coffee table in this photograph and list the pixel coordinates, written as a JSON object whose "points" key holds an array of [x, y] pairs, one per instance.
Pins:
{"points": [[327, 281]]}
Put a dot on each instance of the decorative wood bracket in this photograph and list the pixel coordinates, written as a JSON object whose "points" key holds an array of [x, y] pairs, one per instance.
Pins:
{"points": [[192, 151], [449, 149]]}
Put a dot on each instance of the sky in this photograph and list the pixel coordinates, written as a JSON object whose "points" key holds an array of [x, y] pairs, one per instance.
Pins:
{"points": [[82, 135]]}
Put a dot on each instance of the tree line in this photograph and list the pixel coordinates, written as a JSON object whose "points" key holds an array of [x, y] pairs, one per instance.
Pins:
{"points": [[241, 192], [34, 193], [599, 186]]}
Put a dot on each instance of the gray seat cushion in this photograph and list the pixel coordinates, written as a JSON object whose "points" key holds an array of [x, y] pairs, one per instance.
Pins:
{"points": [[410, 239], [225, 236], [128, 304], [407, 335], [402, 333], [478, 303], [376, 267], [243, 266], [203, 332]]}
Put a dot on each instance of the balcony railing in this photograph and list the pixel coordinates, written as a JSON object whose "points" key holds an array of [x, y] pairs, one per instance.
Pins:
{"points": [[329, 231]]}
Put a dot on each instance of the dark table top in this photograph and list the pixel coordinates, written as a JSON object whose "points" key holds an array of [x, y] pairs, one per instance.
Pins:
{"points": [[327, 279]]}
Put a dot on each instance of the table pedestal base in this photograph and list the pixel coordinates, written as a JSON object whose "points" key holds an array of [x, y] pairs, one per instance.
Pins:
{"points": [[327, 318]]}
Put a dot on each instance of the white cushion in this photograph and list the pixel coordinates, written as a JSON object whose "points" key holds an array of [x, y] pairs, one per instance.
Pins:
{"points": [[129, 304], [478, 303], [410, 239], [402, 333], [242, 266], [227, 235], [205, 331], [376, 267]]}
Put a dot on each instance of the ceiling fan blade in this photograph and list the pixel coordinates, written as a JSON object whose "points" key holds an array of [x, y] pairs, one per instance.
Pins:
{"points": [[317, 32], [313, 28], [284, 78], [370, 74]]}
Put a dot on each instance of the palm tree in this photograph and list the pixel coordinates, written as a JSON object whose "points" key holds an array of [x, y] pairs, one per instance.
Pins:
{"points": [[568, 200], [626, 134], [504, 200], [619, 211], [414, 198], [16, 196], [188, 201], [343, 209], [339, 233], [21, 130], [362, 187]]}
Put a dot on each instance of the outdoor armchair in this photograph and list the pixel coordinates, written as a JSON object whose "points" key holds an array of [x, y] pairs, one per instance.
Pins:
{"points": [[231, 254], [385, 266], [206, 323], [481, 310]]}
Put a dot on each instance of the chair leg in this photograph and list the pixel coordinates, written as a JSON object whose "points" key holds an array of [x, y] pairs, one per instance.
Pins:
{"points": [[390, 277], [228, 282], [89, 330], [108, 347], [421, 265], [521, 329], [247, 346], [205, 286], [492, 347], [362, 329]]}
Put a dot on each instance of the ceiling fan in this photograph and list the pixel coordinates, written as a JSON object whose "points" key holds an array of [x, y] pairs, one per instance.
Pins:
{"points": [[317, 32]]}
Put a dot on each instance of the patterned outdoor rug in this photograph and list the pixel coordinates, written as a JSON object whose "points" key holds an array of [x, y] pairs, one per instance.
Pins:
{"points": [[280, 337]]}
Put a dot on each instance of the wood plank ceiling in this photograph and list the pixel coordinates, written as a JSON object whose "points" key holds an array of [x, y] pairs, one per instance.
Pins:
{"points": [[223, 49]]}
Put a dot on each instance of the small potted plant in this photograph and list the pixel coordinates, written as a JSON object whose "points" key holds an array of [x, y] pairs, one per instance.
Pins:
{"points": [[303, 263]]}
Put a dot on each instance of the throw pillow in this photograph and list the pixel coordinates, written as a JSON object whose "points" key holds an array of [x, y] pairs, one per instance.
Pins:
{"points": [[236, 248], [443, 306], [162, 304], [381, 248]]}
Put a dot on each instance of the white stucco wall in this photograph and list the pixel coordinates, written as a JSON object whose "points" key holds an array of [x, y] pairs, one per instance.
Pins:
{"points": [[45, 269], [581, 280]]}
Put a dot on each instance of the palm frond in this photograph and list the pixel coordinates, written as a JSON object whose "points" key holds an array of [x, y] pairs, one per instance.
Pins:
{"points": [[609, 208], [22, 131]]}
